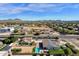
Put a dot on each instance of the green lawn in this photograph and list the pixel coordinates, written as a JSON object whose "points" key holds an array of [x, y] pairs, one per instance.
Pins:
{"points": [[56, 52]]}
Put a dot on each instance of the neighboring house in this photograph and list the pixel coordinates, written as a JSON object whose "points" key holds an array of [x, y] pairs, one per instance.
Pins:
{"points": [[6, 29], [5, 32], [26, 39]]}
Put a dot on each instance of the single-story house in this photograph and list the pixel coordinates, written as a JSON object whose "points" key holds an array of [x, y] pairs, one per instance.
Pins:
{"points": [[50, 44], [6, 29]]}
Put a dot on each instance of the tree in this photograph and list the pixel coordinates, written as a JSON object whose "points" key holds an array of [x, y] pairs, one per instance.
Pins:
{"points": [[56, 37], [33, 43], [7, 41], [15, 31], [33, 50], [68, 51], [37, 33], [34, 54]]}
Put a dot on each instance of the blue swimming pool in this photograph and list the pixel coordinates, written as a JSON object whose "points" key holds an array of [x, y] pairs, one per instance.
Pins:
{"points": [[37, 50]]}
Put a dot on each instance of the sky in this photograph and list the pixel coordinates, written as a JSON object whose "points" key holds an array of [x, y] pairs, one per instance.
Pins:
{"points": [[39, 11]]}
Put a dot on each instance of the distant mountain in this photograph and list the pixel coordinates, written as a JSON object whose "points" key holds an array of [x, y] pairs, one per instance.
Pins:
{"points": [[11, 20], [39, 21]]}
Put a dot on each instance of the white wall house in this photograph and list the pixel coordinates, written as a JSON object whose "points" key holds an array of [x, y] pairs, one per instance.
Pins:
{"points": [[10, 28], [6, 29]]}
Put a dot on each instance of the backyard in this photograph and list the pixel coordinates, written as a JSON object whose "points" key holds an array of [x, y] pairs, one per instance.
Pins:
{"points": [[56, 52]]}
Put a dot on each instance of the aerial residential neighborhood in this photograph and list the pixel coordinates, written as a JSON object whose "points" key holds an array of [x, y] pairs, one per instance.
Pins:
{"points": [[39, 29], [36, 40]]}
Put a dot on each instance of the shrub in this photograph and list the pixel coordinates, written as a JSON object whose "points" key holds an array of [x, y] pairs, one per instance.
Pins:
{"points": [[23, 43], [41, 54], [37, 33], [34, 54], [33, 43], [16, 50], [67, 50], [56, 38], [33, 50], [9, 40], [15, 31]]}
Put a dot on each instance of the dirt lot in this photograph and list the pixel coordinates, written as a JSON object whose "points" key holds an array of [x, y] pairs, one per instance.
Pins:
{"points": [[25, 49]]}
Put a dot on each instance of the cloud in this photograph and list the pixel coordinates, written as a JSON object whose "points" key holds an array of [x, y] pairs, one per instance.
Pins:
{"points": [[37, 8], [12, 8], [32, 7], [40, 7]]}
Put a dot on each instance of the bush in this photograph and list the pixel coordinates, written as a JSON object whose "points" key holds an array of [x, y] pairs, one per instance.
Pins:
{"points": [[33, 50], [34, 54], [68, 51], [56, 38], [30, 44], [41, 54], [13, 39], [37, 33], [16, 50], [33, 43], [15, 31], [9, 40], [23, 43]]}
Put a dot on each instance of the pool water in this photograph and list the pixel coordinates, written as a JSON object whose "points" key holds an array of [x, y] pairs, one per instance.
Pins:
{"points": [[37, 50]]}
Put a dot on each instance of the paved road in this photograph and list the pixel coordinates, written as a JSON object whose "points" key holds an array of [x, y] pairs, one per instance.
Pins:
{"points": [[6, 48], [60, 36], [69, 36]]}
